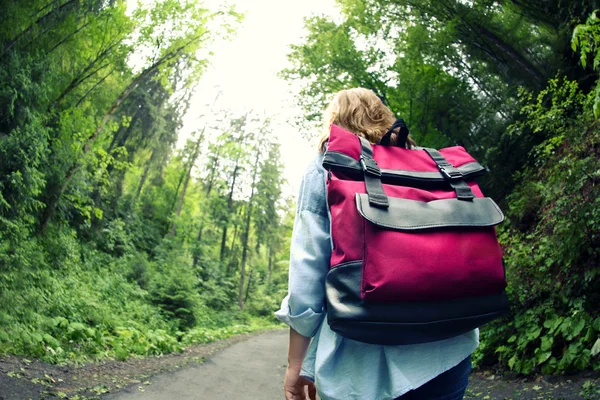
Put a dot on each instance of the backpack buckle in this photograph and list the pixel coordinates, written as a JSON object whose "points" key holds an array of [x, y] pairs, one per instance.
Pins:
{"points": [[369, 166], [450, 173]]}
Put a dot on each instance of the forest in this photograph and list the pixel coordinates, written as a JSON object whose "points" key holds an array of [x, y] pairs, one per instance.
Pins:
{"points": [[114, 240], [121, 237]]}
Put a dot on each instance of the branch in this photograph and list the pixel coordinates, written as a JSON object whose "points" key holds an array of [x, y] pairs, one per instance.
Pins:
{"points": [[93, 88], [40, 21], [68, 37]]}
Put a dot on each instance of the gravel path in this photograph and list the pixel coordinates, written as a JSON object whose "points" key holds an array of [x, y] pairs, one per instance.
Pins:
{"points": [[253, 369]]}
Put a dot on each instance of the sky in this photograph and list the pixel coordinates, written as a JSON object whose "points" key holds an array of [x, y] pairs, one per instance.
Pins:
{"points": [[245, 70]]}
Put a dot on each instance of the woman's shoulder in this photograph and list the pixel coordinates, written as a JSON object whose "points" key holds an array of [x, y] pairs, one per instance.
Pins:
{"points": [[315, 166], [312, 189]]}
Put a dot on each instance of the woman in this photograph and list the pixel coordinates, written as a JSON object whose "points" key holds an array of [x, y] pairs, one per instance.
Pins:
{"points": [[336, 367]]}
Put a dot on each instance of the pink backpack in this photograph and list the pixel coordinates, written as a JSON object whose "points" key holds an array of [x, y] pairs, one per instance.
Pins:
{"points": [[415, 255]]}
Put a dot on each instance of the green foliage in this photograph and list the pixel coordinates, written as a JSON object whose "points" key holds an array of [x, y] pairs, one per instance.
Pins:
{"points": [[173, 288], [589, 390], [586, 39], [552, 241], [87, 308], [109, 246]]}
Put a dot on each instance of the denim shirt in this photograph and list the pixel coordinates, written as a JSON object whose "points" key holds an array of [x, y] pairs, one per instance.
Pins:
{"points": [[344, 369]]}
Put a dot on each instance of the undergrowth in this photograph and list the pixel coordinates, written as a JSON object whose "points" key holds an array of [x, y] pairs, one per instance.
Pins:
{"points": [[552, 242], [66, 302]]}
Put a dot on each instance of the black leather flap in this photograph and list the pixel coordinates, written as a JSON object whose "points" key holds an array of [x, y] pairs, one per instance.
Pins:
{"points": [[410, 215]]}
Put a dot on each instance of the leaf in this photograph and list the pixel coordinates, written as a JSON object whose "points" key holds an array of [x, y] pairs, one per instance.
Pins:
{"points": [[533, 333], [512, 361], [50, 340], [597, 104], [583, 360], [547, 342], [575, 38], [542, 356], [550, 321], [565, 327], [577, 327], [596, 348]]}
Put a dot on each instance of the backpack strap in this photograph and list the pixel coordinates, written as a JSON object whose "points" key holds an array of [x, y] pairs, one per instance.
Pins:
{"points": [[372, 175], [452, 175], [402, 134]]}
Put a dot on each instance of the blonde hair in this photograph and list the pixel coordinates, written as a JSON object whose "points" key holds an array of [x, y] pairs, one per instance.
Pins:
{"points": [[361, 112]]}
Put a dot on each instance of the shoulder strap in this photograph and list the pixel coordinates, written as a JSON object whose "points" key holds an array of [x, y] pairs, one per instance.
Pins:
{"points": [[402, 134], [372, 175]]}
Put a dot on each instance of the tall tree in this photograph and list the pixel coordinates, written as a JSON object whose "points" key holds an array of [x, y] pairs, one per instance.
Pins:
{"points": [[246, 235], [193, 156]]}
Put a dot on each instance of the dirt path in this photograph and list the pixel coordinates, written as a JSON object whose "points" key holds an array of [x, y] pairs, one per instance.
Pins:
{"points": [[243, 367], [22, 378], [252, 369]]}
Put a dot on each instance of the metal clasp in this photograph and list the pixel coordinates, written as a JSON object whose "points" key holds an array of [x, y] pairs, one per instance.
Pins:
{"points": [[450, 173], [369, 166]]}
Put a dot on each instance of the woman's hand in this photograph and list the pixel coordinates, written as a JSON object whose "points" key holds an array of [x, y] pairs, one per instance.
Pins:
{"points": [[297, 387]]}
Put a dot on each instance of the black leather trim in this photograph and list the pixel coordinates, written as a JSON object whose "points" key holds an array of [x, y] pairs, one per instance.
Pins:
{"points": [[341, 162], [386, 333], [401, 323], [404, 214]]}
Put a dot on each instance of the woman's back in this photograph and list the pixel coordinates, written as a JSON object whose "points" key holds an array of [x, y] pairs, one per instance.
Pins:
{"points": [[342, 368]]}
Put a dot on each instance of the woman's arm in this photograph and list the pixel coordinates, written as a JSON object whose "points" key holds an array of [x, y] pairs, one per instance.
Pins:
{"points": [[297, 348], [295, 386], [303, 309]]}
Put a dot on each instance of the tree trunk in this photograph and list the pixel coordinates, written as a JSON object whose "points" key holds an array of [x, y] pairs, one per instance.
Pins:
{"points": [[79, 79], [213, 172], [69, 36], [42, 20], [223, 242], [90, 90], [233, 249], [181, 178], [536, 77], [270, 266], [247, 234], [85, 74], [229, 210], [193, 158], [208, 190], [248, 286], [144, 177]]}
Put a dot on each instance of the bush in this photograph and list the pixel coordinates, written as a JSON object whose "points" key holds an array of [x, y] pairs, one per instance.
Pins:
{"points": [[552, 243], [173, 288]]}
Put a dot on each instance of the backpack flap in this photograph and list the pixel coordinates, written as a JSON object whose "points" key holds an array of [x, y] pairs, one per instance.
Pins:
{"points": [[438, 250], [411, 215]]}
